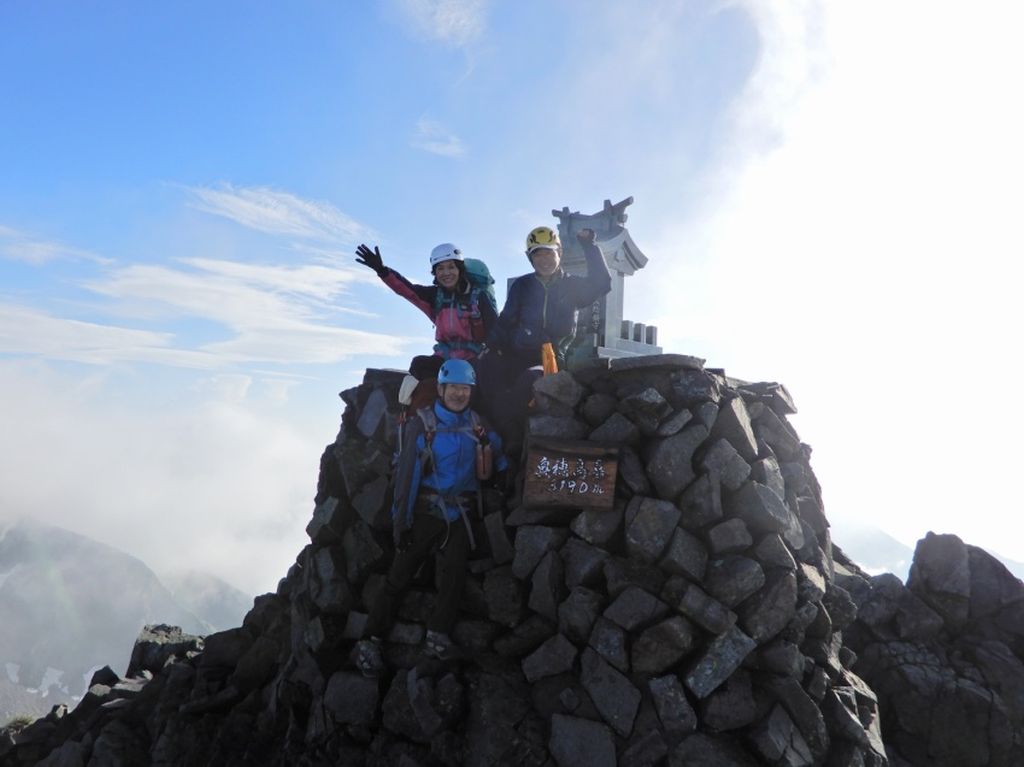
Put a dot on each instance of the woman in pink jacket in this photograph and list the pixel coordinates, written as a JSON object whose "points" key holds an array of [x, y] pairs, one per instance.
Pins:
{"points": [[463, 313]]}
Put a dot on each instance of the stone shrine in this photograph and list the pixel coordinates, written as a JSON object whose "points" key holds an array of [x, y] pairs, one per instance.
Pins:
{"points": [[604, 332]]}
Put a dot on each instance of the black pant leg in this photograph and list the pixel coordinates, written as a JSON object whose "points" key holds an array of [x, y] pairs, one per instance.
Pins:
{"points": [[426, 531], [451, 578]]}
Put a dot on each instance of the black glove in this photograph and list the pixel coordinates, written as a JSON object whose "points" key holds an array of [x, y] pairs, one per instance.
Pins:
{"points": [[371, 258], [585, 236]]}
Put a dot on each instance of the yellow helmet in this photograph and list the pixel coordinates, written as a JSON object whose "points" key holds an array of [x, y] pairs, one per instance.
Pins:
{"points": [[542, 237]]}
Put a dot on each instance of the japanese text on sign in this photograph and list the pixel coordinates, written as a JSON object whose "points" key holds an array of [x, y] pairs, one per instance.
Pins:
{"points": [[576, 479]]}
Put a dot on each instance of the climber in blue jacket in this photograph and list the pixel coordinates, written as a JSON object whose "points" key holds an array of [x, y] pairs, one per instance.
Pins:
{"points": [[446, 451]]}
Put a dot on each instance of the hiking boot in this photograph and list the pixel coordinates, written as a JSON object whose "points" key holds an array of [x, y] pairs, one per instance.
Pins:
{"points": [[369, 660], [440, 646]]}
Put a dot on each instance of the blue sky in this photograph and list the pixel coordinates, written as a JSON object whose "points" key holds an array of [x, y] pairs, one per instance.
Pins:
{"points": [[826, 195]]}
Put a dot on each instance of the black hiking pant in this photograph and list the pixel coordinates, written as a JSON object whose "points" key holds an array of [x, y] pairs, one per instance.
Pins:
{"points": [[427, 533], [507, 383]]}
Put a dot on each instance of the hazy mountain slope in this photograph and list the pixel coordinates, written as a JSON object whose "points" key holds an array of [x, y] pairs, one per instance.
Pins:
{"points": [[214, 601], [71, 604]]}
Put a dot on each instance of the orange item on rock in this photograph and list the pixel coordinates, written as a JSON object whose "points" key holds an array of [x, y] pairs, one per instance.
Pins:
{"points": [[547, 358]]}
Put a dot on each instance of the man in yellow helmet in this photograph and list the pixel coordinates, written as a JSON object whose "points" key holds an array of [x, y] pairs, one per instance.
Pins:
{"points": [[542, 307]]}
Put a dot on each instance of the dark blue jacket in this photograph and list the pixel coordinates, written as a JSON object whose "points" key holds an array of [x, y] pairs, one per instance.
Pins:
{"points": [[536, 312], [451, 472]]}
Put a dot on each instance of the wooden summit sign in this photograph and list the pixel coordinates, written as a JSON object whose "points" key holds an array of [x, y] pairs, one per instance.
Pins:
{"points": [[570, 474]]}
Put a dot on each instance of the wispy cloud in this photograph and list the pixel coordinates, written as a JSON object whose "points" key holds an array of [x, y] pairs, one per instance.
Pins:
{"points": [[21, 246], [30, 332], [273, 313], [277, 212], [455, 22], [431, 136]]}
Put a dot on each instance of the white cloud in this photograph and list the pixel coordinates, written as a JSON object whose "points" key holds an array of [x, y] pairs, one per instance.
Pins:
{"points": [[433, 137], [859, 242], [455, 22], [276, 212], [30, 332], [20, 246], [222, 484], [274, 313]]}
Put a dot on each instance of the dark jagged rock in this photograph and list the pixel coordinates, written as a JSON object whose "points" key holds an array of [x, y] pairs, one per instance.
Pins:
{"points": [[705, 621]]}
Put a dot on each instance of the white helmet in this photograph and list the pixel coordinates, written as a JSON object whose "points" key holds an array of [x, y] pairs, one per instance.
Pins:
{"points": [[444, 252]]}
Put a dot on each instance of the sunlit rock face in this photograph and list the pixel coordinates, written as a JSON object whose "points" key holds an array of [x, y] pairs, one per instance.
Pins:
{"points": [[704, 618]]}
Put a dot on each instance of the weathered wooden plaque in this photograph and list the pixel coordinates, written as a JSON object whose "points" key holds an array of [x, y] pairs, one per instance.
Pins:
{"points": [[570, 474]]}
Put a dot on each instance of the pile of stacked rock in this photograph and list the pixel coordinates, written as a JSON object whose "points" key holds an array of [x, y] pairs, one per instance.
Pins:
{"points": [[944, 654], [697, 622], [698, 619]]}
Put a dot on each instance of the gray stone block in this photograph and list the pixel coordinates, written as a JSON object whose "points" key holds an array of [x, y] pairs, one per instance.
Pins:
{"points": [[547, 588], [723, 462], [635, 607], [504, 595], [722, 657], [584, 564], [555, 656], [562, 427], [621, 573], [663, 645], [673, 423], [779, 742], [525, 637], [609, 640], [579, 742], [765, 512], [675, 712], [692, 387], [656, 362], [560, 388], [804, 712], [598, 527], [645, 408], [631, 471], [730, 537], [598, 407], [733, 579], [733, 424], [328, 522], [768, 472], [670, 461], [612, 693], [532, 543], [701, 504], [771, 551], [351, 698], [769, 611], [649, 527], [685, 555], [616, 430], [361, 551], [373, 413], [731, 706], [577, 614], [705, 611]]}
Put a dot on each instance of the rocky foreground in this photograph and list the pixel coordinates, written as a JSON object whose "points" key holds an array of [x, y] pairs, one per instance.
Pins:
{"points": [[706, 620]]}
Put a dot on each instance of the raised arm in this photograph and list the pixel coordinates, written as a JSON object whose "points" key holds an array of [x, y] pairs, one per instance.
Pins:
{"points": [[598, 282], [420, 296]]}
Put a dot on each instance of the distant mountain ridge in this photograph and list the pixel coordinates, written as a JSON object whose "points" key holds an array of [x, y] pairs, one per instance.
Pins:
{"points": [[878, 552], [68, 604]]}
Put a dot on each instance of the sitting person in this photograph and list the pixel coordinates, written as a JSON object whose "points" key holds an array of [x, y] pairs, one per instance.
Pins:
{"points": [[446, 452], [542, 307], [462, 312]]}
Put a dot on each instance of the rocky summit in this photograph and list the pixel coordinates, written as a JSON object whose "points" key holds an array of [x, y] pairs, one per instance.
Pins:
{"points": [[704, 619]]}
